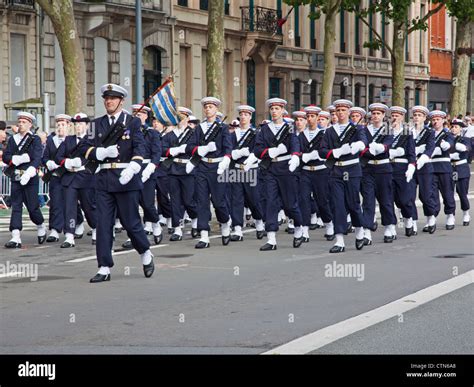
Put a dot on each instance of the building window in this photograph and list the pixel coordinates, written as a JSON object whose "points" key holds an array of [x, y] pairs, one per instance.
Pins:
{"points": [[183, 3], [226, 7], [297, 27], [342, 46], [417, 96], [17, 66], [407, 98], [313, 92], [152, 69], [297, 94], [357, 89], [312, 29], [204, 5], [371, 93], [274, 85], [251, 82], [384, 34], [343, 88]]}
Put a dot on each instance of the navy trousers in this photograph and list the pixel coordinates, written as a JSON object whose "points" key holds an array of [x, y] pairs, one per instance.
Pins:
{"points": [[377, 186], [403, 195], [345, 192], [56, 204], [443, 182], [462, 189], [425, 192], [27, 194], [242, 193], [73, 213], [316, 184], [125, 204], [163, 197], [182, 197], [147, 201]]}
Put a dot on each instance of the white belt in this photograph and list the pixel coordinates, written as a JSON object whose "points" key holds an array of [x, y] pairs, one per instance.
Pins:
{"points": [[242, 166], [378, 162], [114, 166], [348, 162], [459, 162], [212, 161], [282, 158], [314, 167], [76, 169], [441, 159], [181, 161], [403, 161], [146, 161]]}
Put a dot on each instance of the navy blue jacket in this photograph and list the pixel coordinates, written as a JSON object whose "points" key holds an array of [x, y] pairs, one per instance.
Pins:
{"points": [[235, 144], [462, 171], [410, 154], [170, 140], [304, 146], [443, 166], [430, 145], [379, 168], [153, 150]]}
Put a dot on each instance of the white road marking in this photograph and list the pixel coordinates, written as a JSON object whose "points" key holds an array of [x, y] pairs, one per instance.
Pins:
{"points": [[11, 274], [327, 335], [91, 257]]}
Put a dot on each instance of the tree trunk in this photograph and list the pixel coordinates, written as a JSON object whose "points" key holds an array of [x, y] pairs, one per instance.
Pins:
{"points": [[61, 14], [329, 53], [461, 69], [215, 49], [398, 64]]}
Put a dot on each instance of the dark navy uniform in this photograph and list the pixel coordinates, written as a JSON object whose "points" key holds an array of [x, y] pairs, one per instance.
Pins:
{"points": [[162, 184], [461, 171]]}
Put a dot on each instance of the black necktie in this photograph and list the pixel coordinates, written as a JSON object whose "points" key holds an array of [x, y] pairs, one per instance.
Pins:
{"points": [[112, 118]]}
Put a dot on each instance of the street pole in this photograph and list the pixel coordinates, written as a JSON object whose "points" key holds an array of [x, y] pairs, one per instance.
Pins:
{"points": [[138, 54]]}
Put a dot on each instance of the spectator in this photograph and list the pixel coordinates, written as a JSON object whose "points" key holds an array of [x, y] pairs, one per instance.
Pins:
{"points": [[3, 125], [14, 129]]}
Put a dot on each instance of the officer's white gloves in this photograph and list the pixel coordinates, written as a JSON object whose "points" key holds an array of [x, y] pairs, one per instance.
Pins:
{"points": [[343, 150], [73, 163], [189, 167], [376, 149], [294, 163], [306, 157], [127, 174], [109, 152], [27, 175], [436, 152], [357, 147], [223, 165], [51, 165], [422, 161], [445, 145], [250, 161], [212, 146], [461, 147], [148, 171], [277, 151], [410, 172], [21, 159], [238, 153], [177, 150], [455, 156], [420, 149], [398, 152]]}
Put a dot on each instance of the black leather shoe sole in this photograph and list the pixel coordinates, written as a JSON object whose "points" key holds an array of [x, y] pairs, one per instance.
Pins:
{"points": [[432, 229], [158, 239], [52, 239], [409, 231], [260, 234], [236, 238], [225, 240], [79, 236], [170, 231], [359, 243], [268, 247], [202, 245], [89, 233], [387, 239], [465, 223], [450, 227], [367, 242], [194, 233], [13, 245], [99, 278], [297, 242], [149, 269], [426, 229], [305, 240], [66, 245], [176, 238], [374, 227], [41, 239], [329, 237], [337, 249], [127, 245], [313, 226]]}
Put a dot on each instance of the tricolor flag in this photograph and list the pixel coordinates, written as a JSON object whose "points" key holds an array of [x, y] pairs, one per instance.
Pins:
{"points": [[163, 104]]}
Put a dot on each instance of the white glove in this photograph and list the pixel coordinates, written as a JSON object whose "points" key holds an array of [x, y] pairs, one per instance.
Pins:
{"points": [[410, 172], [376, 149], [203, 150], [189, 167], [445, 145], [73, 163], [177, 150], [212, 146], [294, 163], [461, 147], [314, 155], [109, 152], [436, 152], [249, 161], [223, 165], [357, 147], [245, 152], [27, 175], [148, 171], [127, 174], [51, 165], [21, 159], [238, 153], [422, 161], [420, 149], [455, 156], [343, 150], [279, 150], [398, 152]]}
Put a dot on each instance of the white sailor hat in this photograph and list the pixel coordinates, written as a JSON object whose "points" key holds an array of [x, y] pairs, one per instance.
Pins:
{"points": [[80, 117], [211, 100], [437, 113], [185, 111], [265, 122], [325, 114], [458, 122], [331, 108], [141, 107], [312, 109], [27, 116], [193, 119], [420, 109], [398, 109], [378, 106], [62, 117], [275, 101], [289, 120], [113, 90], [299, 113], [343, 102], [357, 109], [245, 108]]}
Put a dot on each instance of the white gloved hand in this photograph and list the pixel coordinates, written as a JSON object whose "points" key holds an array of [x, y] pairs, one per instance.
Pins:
{"points": [[461, 147], [127, 174], [27, 175], [398, 152], [422, 161], [314, 155], [148, 171], [410, 172], [294, 163], [277, 151], [189, 167], [212, 146], [245, 152], [436, 152], [236, 154], [73, 163], [51, 165], [376, 149], [177, 150], [420, 149], [203, 150], [445, 145], [21, 159], [357, 147], [103, 153], [223, 165], [249, 161], [343, 150], [455, 156]]}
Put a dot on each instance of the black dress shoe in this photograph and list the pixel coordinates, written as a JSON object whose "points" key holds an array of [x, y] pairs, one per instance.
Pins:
{"points": [[337, 249], [118, 230], [432, 229], [260, 234], [367, 242], [202, 245], [329, 237], [465, 223], [305, 240], [51, 239], [290, 230], [409, 231], [42, 239], [414, 233], [162, 224], [78, 236], [387, 239], [359, 244], [176, 238], [236, 238], [99, 278], [194, 233], [148, 232], [13, 245], [67, 245], [374, 227], [127, 244], [349, 227], [225, 240], [268, 247], [89, 233], [450, 227], [426, 228], [297, 242], [313, 226], [149, 269], [248, 217], [158, 239], [94, 241], [170, 231], [280, 222]]}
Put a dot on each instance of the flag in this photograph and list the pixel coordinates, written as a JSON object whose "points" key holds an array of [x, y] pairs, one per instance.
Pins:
{"points": [[283, 20], [163, 104]]}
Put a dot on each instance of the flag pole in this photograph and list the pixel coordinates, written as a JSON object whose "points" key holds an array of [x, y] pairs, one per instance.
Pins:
{"points": [[168, 80]]}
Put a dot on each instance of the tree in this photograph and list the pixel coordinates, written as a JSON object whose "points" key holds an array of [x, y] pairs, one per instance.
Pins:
{"points": [[61, 14], [215, 49], [463, 11], [330, 8]]}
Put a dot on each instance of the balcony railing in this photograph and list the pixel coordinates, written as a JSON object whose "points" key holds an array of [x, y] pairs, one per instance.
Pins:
{"points": [[146, 4], [29, 4], [261, 19]]}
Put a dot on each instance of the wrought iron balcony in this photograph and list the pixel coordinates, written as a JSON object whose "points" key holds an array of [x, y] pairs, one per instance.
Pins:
{"points": [[28, 4], [261, 19]]}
